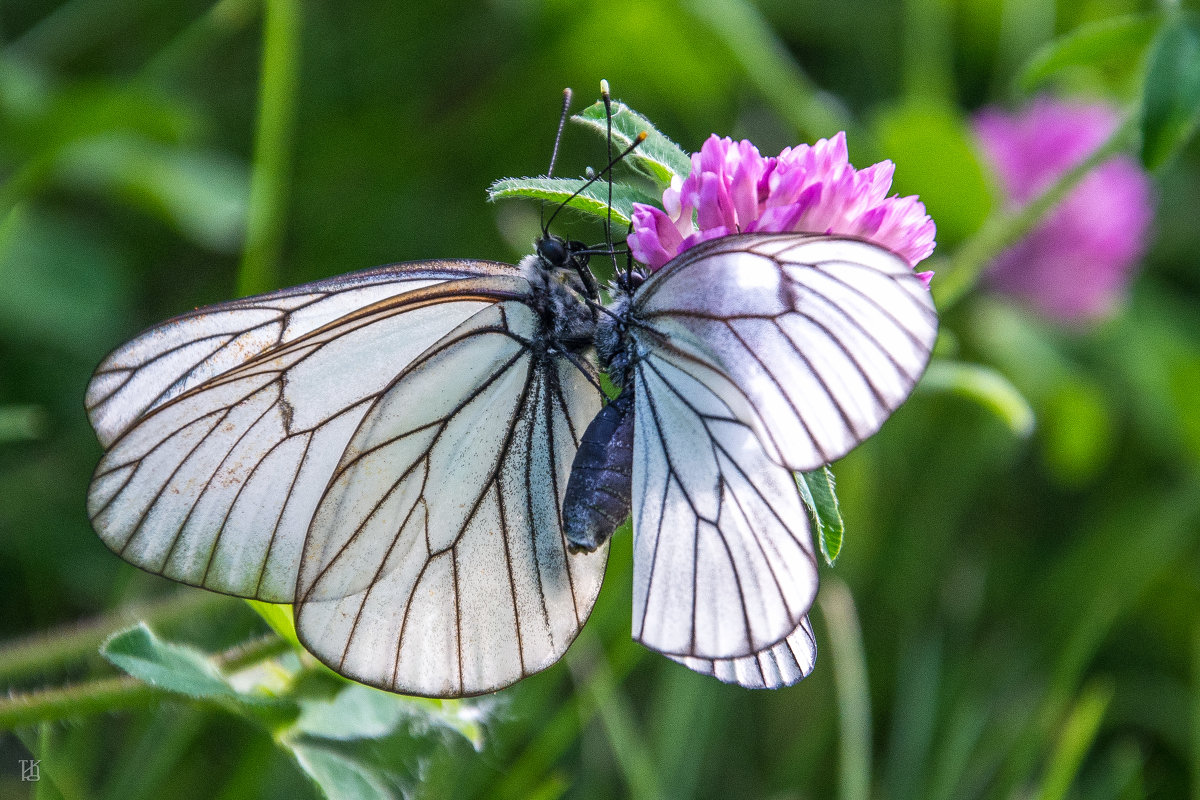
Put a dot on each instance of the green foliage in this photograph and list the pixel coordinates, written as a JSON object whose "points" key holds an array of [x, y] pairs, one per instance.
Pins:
{"points": [[653, 163], [984, 385], [1018, 616], [817, 490], [1171, 98], [934, 158], [165, 666], [658, 157], [1115, 39], [593, 200]]}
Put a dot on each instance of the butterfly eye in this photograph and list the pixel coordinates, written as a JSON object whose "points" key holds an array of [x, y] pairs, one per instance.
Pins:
{"points": [[553, 251]]}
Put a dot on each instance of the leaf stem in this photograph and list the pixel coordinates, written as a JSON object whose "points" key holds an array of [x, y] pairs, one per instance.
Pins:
{"points": [[44, 652], [120, 692], [272, 146], [97, 696]]}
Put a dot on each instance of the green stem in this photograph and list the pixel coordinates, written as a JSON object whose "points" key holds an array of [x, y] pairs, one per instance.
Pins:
{"points": [[587, 662], [223, 19], [1075, 740], [853, 693], [43, 653], [120, 692], [78, 700], [272, 147], [1195, 720], [1006, 227], [772, 68]]}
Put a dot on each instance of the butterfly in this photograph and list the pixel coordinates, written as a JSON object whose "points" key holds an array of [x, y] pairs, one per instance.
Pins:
{"points": [[387, 450], [419, 458], [741, 361]]}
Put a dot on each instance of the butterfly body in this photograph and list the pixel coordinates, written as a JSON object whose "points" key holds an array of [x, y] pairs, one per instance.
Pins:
{"points": [[600, 488]]}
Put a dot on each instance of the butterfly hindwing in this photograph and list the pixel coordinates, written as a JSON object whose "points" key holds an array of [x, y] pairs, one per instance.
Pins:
{"points": [[723, 557], [774, 667], [436, 563]]}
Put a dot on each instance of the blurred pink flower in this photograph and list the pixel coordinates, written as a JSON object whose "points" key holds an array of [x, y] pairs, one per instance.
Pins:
{"points": [[733, 189], [1077, 263]]}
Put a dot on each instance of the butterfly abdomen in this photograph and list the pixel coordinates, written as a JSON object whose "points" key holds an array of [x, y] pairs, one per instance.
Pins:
{"points": [[600, 486]]}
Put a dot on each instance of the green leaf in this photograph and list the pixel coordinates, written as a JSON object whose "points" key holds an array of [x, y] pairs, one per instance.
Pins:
{"points": [[168, 666], [361, 712], [1171, 95], [936, 159], [1106, 41], [279, 617], [592, 201], [1076, 738], [339, 777], [817, 488], [658, 157], [985, 386], [355, 712]]}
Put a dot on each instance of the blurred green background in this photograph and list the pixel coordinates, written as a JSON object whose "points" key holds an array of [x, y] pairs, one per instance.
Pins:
{"points": [[1015, 614]]}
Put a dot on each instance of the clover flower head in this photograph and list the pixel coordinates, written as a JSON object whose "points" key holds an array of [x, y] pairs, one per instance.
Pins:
{"points": [[732, 189], [1076, 264]]}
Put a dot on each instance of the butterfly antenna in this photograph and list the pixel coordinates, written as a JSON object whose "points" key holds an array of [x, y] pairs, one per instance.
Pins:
{"points": [[606, 96], [562, 121], [637, 141]]}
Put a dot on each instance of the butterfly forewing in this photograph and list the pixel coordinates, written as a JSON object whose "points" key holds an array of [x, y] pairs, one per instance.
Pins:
{"points": [[217, 486], [825, 336], [723, 555], [436, 563], [175, 356]]}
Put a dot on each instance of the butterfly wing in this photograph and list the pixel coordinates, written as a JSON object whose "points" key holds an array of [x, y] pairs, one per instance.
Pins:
{"points": [[175, 356], [781, 665], [216, 486], [723, 556], [824, 335], [436, 563]]}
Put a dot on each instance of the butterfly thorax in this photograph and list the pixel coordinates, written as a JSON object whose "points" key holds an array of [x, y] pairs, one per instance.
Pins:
{"points": [[556, 296], [615, 346]]}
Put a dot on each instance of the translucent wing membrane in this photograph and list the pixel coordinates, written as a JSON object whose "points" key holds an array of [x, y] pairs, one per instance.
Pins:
{"points": [[775, 667], [181, 353], [723, 555], [216, 487], [436, 564], [824, 336]]}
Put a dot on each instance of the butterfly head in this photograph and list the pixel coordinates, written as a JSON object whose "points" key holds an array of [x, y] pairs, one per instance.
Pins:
{"points": [[562, 258]]}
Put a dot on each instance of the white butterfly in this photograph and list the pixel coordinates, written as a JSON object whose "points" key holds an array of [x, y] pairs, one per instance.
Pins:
{"points": [[390, 450], [742, 360]]}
